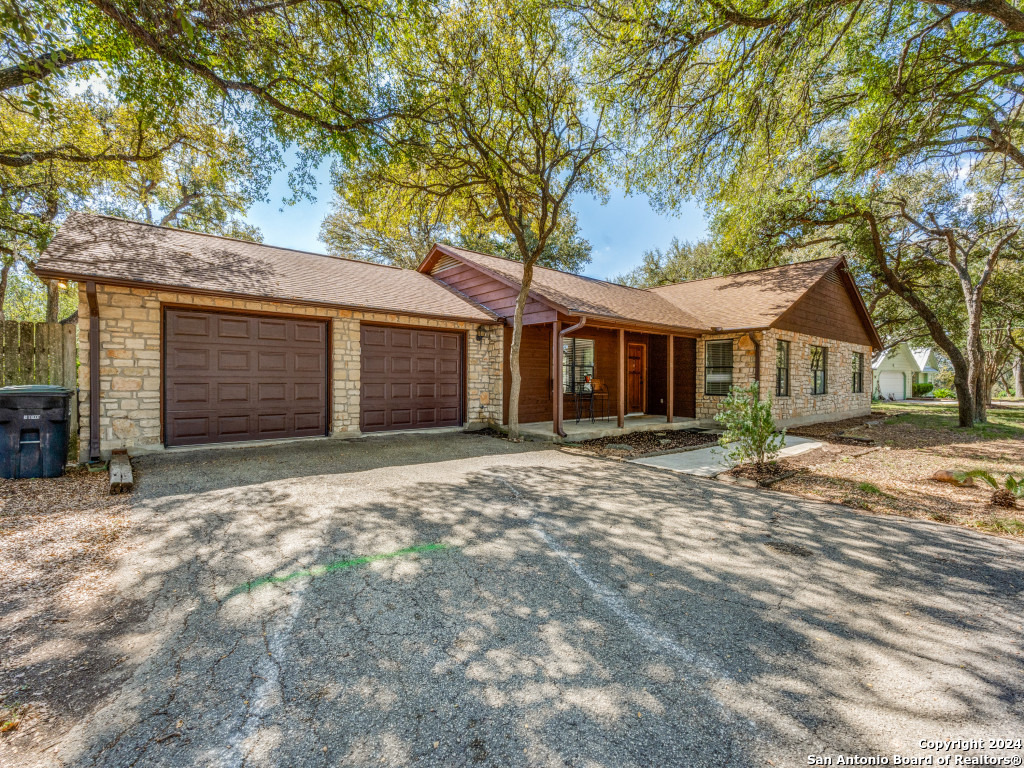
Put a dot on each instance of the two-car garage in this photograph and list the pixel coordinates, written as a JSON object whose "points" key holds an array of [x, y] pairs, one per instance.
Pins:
{"points": [[231, 377]]}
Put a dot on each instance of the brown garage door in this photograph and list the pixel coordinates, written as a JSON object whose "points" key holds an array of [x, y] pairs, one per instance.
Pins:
{"points": [[230, 377], [411, 379]]}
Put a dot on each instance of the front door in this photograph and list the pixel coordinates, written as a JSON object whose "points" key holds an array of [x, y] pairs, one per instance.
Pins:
{"points": [[635, 378]]}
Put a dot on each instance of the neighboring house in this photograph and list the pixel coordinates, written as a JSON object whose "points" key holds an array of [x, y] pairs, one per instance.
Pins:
{"points": [[898, 369], [189, 338]]}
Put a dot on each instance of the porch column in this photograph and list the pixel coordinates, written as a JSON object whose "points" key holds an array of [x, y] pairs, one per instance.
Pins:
{"points": [[622, 378], [556, 378], [671, 380]]}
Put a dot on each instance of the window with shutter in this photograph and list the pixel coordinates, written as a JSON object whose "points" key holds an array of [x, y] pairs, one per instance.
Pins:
{"points": [[717, 367], [782, 369], [577, 364], [819, 370]]}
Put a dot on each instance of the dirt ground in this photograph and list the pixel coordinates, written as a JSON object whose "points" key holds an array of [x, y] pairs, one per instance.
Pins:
{"points": [[911, 443], [58, 540]]}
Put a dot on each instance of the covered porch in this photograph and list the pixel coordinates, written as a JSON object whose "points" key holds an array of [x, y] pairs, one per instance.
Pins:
{"points": [[620, 378]]}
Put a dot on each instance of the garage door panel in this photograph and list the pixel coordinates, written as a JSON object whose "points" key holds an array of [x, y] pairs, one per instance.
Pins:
{"points": [[233, 377], [311, 332], [233, 392], [186, 325], [411, 378], [232, 360], [309, 362], [228, 426], [307, 391], [891, 383], [192, 359], [233, 328]]}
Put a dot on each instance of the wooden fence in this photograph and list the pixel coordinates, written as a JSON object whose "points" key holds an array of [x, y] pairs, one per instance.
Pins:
{"points": [[40, 353]]}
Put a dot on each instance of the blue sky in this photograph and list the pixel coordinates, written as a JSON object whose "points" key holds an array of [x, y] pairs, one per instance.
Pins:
{"points": [[619, 231]]}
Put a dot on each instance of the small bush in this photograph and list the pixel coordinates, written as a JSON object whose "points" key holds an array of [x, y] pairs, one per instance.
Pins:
{"points": [[922, 389], [749, 427], [869, 488], [1006, 496], [940, 392]]}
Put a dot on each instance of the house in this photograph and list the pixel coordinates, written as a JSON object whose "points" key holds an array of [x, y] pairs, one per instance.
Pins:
{"points": [[191, 339], [898, 369]]}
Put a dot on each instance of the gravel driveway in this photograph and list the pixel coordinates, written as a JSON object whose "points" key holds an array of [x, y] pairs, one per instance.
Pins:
{"points": [[459, 600]]}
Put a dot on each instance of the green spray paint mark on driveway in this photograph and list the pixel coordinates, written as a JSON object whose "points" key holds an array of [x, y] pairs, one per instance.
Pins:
{"points": [[323, 570]]}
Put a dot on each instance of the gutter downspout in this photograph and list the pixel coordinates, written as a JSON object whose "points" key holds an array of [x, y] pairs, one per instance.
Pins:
{"points": [[94, 372], [561, 335], [757, 361]]}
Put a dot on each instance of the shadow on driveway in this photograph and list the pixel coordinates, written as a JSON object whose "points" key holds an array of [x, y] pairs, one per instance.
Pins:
{"points": [[580, 613]]}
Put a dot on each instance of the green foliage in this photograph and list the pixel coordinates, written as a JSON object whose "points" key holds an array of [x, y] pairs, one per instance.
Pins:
{"points": [[870, 488], [750, 433], [682, 261], [943, 393], [923, 388]]}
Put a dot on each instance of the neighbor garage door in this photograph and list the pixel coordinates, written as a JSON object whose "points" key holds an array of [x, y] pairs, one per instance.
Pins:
{"points": [[411, 379], [890, 383], [230, 377]]}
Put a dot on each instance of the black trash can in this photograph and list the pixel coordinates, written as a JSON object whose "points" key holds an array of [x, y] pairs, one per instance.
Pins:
{"points": [[34, 430]]}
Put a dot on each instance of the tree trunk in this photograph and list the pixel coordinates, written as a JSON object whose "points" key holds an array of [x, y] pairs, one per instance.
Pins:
{"points": [[513, 354], [961, 372], [1018, 376], [52, 301], [3, 288], [976, 359]]}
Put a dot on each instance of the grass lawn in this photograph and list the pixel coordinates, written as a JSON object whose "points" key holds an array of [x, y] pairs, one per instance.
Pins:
{"points": [[914, 441]]}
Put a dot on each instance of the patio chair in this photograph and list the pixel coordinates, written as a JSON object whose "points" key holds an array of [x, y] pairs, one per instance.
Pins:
{"points": [[600, 399]]}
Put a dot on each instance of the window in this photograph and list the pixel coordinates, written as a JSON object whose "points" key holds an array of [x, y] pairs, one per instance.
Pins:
{"points": [[782, 369], [577, 363], [819, 370], [717, 367], [858, 372]]}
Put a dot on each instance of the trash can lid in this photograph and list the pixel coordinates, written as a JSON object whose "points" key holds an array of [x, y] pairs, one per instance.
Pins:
{"points": [[34, 389]]}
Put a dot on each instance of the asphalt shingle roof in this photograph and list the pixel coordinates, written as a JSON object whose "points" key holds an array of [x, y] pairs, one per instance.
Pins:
{"points": [[746, 299], [586, 295], [104, 248]]}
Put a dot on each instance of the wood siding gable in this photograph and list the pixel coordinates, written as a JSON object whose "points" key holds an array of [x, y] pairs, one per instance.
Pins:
{"points": [[829, 309], [487, 290]]}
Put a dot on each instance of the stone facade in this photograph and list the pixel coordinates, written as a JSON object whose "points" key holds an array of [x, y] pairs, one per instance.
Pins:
{"points": [[800, 407], [130, 349]]}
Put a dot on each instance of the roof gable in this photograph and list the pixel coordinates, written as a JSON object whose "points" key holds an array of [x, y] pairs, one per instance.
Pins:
{"points": [[574, 294], [109, 250]]}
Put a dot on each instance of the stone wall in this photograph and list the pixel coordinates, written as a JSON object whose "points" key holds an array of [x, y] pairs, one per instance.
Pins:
{"points": [[800, 407], [130, 348]]}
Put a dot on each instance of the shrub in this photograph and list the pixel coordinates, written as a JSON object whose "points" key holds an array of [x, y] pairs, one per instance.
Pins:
{"points": [[940, 392], [749, 427], [922, 389], [1002, 497]]}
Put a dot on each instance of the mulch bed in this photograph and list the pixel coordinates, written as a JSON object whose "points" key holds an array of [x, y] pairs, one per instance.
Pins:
{"points": [[895, 477], [647, 442], [59, 540], [766, 474]]}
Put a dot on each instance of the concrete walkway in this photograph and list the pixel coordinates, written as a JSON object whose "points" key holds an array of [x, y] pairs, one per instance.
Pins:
{"points": [[711, 461]]}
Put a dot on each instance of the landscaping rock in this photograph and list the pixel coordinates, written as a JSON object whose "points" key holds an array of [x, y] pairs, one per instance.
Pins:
{"points": [[619, 447], [948, 476]]}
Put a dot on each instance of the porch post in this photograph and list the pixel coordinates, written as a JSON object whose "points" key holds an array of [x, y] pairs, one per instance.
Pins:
{"points": [[670, 411], [556, 378], [622, 378]]}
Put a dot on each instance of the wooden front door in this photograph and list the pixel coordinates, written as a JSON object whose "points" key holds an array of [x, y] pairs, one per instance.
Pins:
{"points": [[635, 370]]}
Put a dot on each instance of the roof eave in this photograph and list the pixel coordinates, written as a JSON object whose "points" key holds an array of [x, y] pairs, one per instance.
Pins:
{"points": [[51, 274]]}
